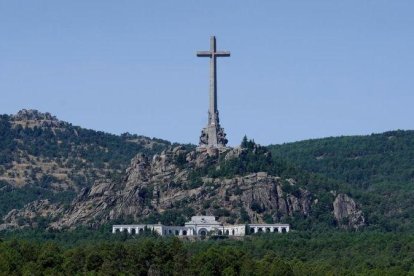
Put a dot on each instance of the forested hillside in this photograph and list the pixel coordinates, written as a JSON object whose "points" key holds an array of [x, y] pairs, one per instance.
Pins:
{"points": [[377, 170], [89, 253], [43, 157]]}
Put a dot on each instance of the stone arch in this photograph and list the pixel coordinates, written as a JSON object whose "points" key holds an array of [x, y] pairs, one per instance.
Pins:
{"points": [[227, 232], [252, 230], [202, 232], [232, 232], [184, 232], [220, 232], [125, 230], [260, 230], [284, 230], [133, 231], [117, 231], [141, 230], [176, 232], [267, 229]]}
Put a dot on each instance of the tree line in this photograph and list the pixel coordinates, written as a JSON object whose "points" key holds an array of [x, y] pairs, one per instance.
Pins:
{"points": [[84, 252]]}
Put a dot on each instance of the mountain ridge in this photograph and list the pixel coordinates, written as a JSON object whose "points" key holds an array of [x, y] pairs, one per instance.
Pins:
{"points": [[41, 156], [339, 202]]}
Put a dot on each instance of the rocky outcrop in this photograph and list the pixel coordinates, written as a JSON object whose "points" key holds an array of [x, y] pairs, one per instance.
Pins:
{"points": [[90, 208], [347, 213], [31, 117], [177, 179], [31, 214], [165, 182]]}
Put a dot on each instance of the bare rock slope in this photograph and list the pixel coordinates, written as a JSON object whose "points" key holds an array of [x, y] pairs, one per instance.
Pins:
{"points": [[347, 213], [177, 180], [160, 183]]}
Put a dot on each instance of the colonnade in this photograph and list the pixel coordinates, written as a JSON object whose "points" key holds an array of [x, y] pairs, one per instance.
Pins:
{"points": [[253, 229], [236, 230], [130, 229]]}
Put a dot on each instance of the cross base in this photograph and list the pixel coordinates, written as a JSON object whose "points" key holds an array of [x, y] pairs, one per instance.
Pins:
{"points": [[213, 136]]}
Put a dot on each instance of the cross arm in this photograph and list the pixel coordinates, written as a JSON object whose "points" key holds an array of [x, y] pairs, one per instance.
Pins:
{"points": [[222, 54], [204, 54]]}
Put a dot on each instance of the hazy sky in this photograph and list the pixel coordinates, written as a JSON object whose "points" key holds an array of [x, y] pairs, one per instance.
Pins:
{"points": [[298, 70]]}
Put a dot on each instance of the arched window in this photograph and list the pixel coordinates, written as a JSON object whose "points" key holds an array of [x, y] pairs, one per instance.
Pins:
{"points": [[184, 232], [202, 232]]}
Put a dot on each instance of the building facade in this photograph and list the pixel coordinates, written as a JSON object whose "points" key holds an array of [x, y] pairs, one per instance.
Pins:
{"points": [[202, 226]]}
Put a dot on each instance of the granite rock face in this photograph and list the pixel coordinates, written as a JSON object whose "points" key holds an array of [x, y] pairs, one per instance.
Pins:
{"points": [[31, 214], [347, 213], [168, 182], [165, 182]]}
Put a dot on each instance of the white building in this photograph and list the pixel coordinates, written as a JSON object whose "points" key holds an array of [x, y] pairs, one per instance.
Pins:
{"points": [[202, 226]]}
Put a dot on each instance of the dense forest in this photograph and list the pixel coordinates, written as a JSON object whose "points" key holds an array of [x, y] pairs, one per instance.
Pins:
{"points": [[377, 170], [300, 253]]}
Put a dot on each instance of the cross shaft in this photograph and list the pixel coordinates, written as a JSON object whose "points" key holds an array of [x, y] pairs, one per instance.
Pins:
{"points": [[213, 54]]}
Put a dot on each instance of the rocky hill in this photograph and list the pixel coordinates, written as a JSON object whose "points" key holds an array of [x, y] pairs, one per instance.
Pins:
{"points": [[44, 158], [55, 175], [181, 182]]}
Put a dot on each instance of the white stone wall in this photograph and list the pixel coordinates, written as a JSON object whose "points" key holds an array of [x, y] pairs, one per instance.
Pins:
{"points": [[137, 228], [202, 229], [268, 228], [202, 226]]}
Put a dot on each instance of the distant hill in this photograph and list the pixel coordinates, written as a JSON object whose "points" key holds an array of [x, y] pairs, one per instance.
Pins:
{"points": [[42, 157], [377, 170], [58, 175]]}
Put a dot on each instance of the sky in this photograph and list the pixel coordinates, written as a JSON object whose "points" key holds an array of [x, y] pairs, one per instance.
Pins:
{"points": [[298, 69]]}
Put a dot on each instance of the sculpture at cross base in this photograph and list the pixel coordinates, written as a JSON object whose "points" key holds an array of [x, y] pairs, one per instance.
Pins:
{"points": [[213, 136]]}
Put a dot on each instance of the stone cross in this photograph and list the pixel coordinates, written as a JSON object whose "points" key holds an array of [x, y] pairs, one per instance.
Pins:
{"points": [[213, 135], [213, 54]]}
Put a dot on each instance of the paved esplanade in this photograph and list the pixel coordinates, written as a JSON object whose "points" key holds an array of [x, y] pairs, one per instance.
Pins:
{"points": [[213, 135]]}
